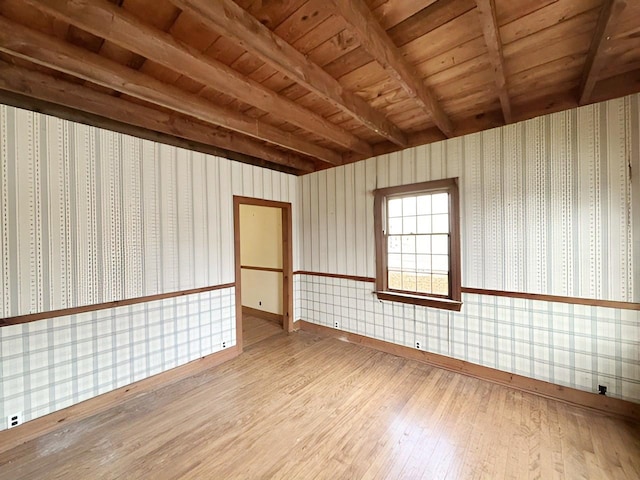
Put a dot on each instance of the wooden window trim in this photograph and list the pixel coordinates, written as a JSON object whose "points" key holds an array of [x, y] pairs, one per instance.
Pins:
{"points": [[454, 300]]}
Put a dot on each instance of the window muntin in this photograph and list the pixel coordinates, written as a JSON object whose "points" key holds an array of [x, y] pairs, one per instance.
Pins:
{"points": [[418, 244], [418, 239]]}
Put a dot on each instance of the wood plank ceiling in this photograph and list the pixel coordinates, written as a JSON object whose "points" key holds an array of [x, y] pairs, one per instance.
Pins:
{"points": [[302, 85]]}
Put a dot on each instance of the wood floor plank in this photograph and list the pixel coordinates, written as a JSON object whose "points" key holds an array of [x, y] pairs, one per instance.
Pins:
{"points": [[307, 406], [256, 329]]}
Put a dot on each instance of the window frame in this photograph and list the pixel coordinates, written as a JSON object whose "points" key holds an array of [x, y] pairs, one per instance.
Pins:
{"points": [[454, 300]]}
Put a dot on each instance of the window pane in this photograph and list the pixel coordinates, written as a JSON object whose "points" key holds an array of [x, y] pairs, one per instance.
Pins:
{"points": [[393, 244], [440, 263], [424, 224], [441, 223], [409, 224], [440, 244], [408, 206], [395, 226], [423, 283], [418, 238], [423, 244], [395, 207], [440, 203], [408, 244], [394, 260], [408, 262], [395, 280], [440, 284], [424, 204], [409, 281], [423, 263]]}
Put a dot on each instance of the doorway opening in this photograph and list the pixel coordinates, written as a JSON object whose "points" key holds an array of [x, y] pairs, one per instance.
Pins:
{"points": [[263, 265]]}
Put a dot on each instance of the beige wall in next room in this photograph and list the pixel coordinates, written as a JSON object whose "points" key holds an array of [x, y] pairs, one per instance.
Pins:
{"points": [[261, 246]]}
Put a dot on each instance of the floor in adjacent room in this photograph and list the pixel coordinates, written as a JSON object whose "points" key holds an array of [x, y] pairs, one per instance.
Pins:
{"points": [[302, 406], [256, 329]]}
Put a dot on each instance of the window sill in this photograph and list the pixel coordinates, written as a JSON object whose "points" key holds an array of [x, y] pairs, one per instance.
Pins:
{"points": [[432, 302]]}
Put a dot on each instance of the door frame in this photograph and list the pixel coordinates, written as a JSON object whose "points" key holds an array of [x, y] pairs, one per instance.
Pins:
{"points": [[287, 261]]}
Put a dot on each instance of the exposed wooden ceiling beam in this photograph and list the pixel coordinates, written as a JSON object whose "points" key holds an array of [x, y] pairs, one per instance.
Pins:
{"points": [[113, 23], [56, 54], [230, 20], [596, 58], [617, 86], [74, 115], [49, 89], [493, 119], [491, 32], [375, 40]]}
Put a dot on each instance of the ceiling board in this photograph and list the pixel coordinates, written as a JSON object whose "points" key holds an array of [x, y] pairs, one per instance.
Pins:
{"points": [[545, 45]]}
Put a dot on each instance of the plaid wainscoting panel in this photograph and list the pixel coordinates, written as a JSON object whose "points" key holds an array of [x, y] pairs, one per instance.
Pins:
{"points": [[577, 346], [548, 206], [51, 364], [90, 216]]}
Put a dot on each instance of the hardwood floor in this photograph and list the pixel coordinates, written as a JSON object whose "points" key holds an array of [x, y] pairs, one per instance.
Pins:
{"points": [[304, 406], [256, 329]]}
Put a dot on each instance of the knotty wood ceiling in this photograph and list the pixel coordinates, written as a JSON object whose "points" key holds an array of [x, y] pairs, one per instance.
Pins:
{"points": [[302, 85]]}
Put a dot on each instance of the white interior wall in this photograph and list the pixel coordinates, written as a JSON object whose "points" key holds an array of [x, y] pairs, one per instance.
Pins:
{"points": [[91, 216], [545, 204], [546, 207]]}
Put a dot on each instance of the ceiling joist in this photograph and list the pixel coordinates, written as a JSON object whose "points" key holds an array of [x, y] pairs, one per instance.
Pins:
{"points": [[491, 32], [230, 20], [53, 53], [113, 23], [79, 97], [375, 40], [596, 59], [304, 85]]}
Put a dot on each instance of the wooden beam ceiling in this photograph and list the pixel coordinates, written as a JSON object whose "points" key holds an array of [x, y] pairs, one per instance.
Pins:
{"points": [[229, 19], [596, 59], [493, 119], [491, 31], [317, 83], [375, 40], [82, 98], [53, 53], [113, 23]]}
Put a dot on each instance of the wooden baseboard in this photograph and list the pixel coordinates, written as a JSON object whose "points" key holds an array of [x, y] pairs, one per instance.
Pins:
{"points": [[271, 317], [48, 423], [600, 403]]}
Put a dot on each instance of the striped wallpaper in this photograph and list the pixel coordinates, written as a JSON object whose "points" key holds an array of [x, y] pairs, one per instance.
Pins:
{"points": [[92, 216], [546, 204]]}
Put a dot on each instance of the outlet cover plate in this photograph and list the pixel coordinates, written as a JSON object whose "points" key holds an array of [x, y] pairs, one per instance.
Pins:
{"points": [[14, 420]]}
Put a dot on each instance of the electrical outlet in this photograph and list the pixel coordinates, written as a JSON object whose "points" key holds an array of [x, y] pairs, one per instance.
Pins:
{"points": [[602, 389], [224, 344], [336, 324], [14, 420], [418, 345], [260, 303]]}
